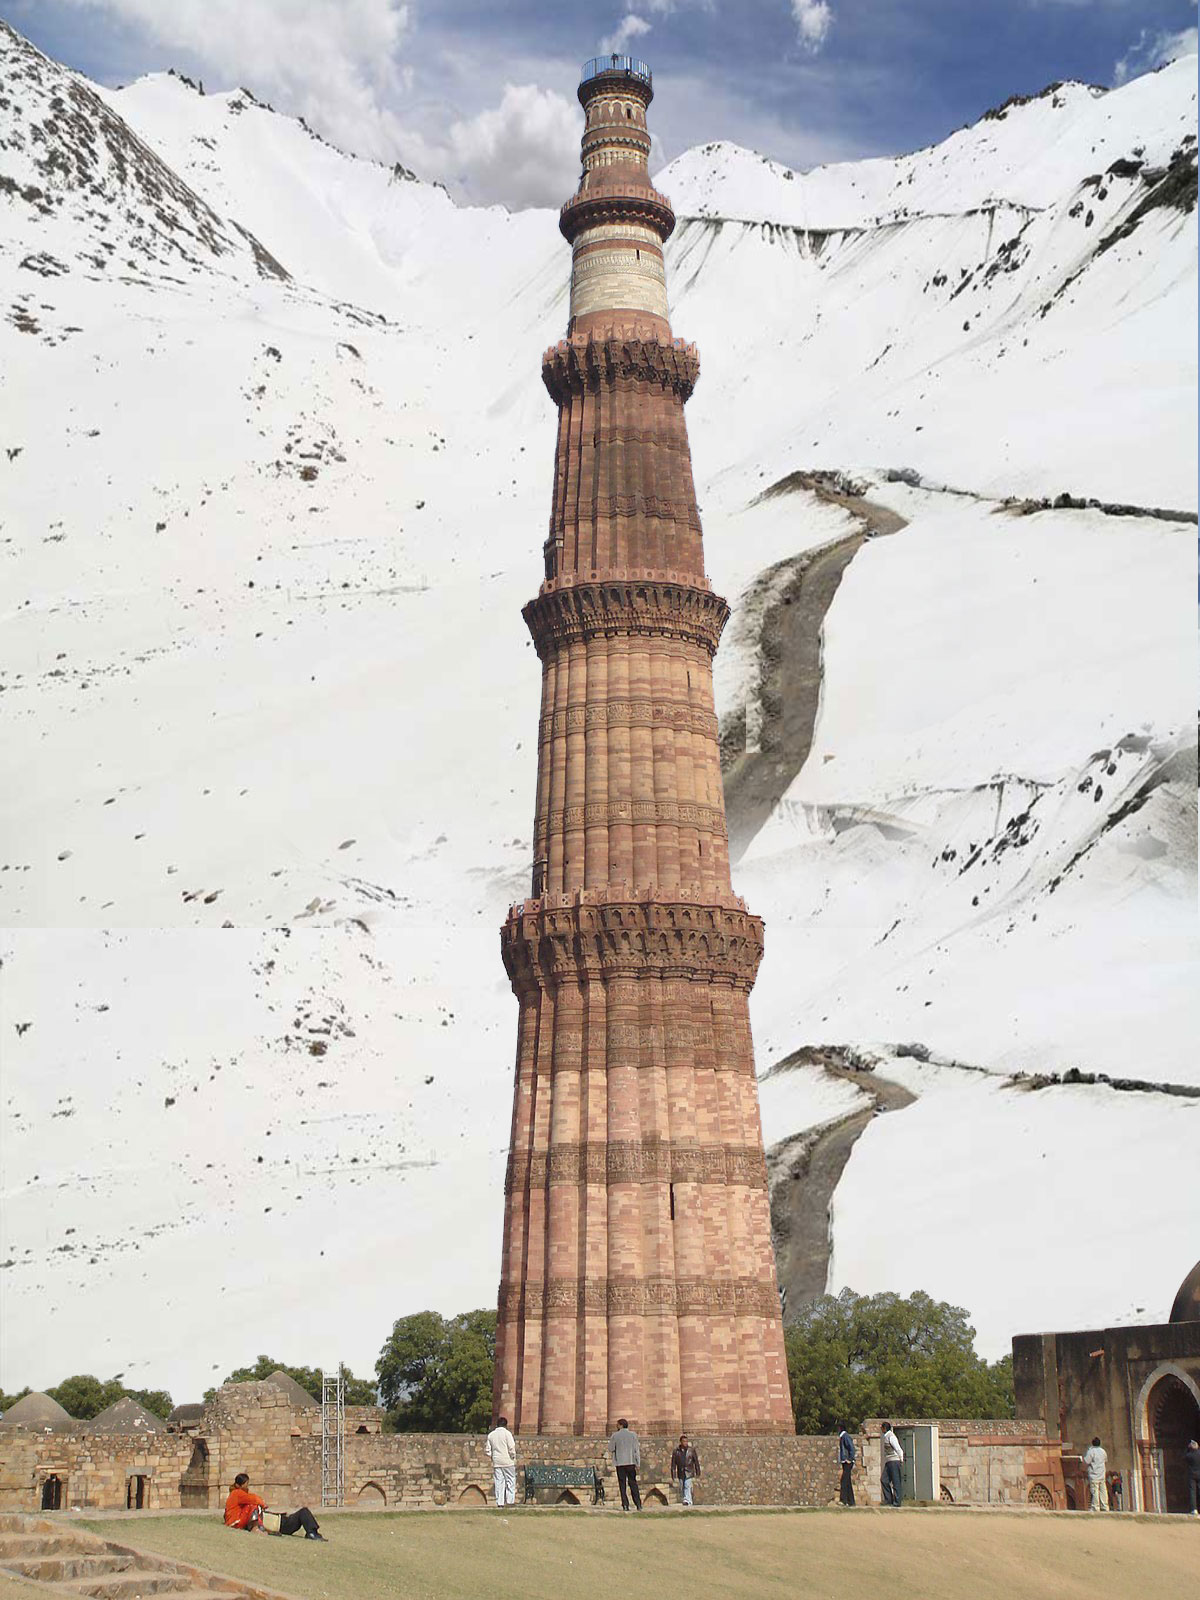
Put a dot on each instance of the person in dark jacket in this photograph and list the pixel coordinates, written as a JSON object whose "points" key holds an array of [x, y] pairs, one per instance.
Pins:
{"points": [[685, 1465], [1192, 1456], [847, 1455]]}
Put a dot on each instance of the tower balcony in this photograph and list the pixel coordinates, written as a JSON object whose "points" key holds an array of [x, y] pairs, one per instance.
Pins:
{"points": [[620, 66], [611, 71], [616, 201]]}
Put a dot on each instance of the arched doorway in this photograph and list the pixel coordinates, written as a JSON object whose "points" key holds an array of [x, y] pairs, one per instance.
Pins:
{"points": [[1172, 1418]]}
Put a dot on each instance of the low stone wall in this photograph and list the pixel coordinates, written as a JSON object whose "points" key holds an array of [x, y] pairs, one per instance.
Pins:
{"points": [[981, 1461], [254, 1428], [93, 1469], [424, 1470]]}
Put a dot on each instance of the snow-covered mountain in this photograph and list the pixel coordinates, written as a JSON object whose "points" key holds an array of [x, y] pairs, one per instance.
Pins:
{"points": [[274, 466]]}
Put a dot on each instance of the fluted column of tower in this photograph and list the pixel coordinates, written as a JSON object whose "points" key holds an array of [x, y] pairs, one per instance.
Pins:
{"points": [[638, 1278]]}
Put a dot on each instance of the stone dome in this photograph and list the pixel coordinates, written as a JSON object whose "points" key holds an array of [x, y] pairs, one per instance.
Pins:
{"points": [[186, 1415], [1187, 1301], [37, 1413], [126, 1415], [297, 1395]]}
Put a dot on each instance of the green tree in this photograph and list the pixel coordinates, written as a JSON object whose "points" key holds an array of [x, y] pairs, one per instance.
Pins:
{"points": [[854, 1356], [359, 1391], [84, 1396], [7, 1400], [435, 1372]]}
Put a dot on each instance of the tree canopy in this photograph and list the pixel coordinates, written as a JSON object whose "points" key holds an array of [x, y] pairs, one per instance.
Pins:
{"points": [[84, 1396], [359, 1391], [435, 1372], [854, 1356]]}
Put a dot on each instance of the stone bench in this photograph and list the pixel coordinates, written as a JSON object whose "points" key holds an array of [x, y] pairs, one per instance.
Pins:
{"points": [[543, 1476]]}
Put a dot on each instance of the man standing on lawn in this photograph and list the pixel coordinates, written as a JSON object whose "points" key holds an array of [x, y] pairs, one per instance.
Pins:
{"points": [[892, 1453], [846, 1455], [626, 1452], [1095, 1460], [501, 1449]]}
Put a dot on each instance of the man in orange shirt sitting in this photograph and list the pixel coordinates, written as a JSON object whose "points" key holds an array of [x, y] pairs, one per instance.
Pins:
{"points": [[244, 1510]]}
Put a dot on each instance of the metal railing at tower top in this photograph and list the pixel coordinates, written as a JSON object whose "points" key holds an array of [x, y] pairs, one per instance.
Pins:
{"points": [[626, 65]]}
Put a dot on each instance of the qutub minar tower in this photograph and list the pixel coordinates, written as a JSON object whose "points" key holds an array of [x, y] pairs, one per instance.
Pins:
{"points": [[638, 1278]]}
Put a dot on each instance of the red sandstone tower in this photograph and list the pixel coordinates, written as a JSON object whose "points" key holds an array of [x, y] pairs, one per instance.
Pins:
{"points": [[638, 1278]]}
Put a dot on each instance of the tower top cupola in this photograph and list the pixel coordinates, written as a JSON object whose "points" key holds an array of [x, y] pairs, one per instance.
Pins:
{"points": [[616, 221]]}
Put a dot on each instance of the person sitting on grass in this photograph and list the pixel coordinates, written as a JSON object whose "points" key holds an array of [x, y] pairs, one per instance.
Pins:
{"points": [[244, 1510]]}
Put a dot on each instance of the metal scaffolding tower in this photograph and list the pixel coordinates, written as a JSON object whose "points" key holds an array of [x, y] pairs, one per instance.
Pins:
{"points": [[333, 1438]]}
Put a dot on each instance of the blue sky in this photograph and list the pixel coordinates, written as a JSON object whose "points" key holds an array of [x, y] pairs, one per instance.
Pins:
{"points": [[482, 93]]}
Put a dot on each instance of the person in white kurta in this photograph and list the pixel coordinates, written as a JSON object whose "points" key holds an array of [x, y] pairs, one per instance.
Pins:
{"points": [[501, 1449], [1095, 1460]]}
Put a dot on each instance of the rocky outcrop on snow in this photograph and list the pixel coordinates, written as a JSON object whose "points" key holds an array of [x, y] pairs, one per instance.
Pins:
{"points": [[84, 192]]}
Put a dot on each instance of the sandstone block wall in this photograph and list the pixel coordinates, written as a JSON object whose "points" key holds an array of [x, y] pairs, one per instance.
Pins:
{"points": [[412, 1470], [982, 1461], [253, 1428], [94, 1469]]}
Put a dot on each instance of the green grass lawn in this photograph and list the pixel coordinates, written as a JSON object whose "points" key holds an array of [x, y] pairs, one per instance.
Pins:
{"points": [[535, 1555]]}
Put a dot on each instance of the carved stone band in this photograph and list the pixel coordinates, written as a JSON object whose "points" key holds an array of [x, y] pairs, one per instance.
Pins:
{"points": [[628, 713], [584, 611], [573, 365], [543, 945], [628, 505], [710, 819], [616, 203], [636, 1161], [671, 1297]]}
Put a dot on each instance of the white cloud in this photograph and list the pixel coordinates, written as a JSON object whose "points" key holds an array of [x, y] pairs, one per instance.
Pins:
{"points": [[523, 152], [1152, 50], [629, 28], [813, 19], [333, 62]]}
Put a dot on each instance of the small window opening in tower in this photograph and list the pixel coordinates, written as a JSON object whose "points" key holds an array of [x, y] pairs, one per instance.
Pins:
{"points": [[629, 111], [672, 1194], [639, 255]]}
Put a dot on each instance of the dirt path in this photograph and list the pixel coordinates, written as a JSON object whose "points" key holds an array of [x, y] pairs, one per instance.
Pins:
{"points": [[805, 1171], [790, 652]]}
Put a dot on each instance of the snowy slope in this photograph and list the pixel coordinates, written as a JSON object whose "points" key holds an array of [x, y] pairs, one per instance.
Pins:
{"points": [[272, 498], [1029, 154], [1016, 1171]]}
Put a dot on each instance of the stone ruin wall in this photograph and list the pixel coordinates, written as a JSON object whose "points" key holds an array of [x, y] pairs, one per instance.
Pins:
{"points": [[981, 1461], [411, 1470], [94, 1468], [254, 1428]]}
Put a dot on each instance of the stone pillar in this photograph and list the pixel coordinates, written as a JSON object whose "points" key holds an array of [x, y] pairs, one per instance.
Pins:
{"points": [[638, 1278]]}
